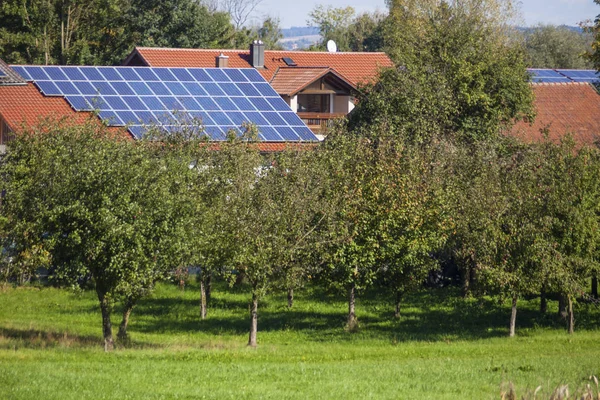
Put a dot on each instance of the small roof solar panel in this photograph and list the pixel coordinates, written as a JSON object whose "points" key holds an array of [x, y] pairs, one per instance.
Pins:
{"points": [[2, 74], [289, 61]]}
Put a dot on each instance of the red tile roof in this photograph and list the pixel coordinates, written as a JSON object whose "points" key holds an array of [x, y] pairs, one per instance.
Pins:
{"points": [[290, 80], [563, 108], [355, 67], [24, 104]]}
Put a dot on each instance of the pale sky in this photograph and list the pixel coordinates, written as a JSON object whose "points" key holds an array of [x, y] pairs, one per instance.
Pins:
{"points": [[568, 12]]}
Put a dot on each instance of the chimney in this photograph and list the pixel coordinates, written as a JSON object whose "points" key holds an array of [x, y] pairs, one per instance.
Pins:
{"points": [[222, 61], [257, 54]]}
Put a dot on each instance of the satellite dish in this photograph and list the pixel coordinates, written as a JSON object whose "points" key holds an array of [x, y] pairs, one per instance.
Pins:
{"points": [[331, 46]]}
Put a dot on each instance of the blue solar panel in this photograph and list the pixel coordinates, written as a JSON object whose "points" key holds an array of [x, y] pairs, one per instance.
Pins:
{"points": [[79, 103], [563, 75], [2, 74], [37, 73], [139, 97], [122, 89], [218, 75], [55, 73], [74, 74], [49, 88], [22, 72], [235, 75], [85, 87], [225, 103], [92, 74], [110, 73], [129, 74]]}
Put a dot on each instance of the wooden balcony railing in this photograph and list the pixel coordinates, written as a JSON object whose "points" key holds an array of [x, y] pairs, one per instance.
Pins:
{"points": [[318, 122]]}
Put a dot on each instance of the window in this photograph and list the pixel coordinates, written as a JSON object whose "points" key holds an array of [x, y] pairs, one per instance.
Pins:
{"points": [[318, 103], [5, 134]]}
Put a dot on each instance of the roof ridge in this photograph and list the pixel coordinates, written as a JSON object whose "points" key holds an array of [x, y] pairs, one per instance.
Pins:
{"points": [[269, 51]]}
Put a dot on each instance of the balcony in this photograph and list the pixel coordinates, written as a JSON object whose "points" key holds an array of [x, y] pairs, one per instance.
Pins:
{"points": [[318, 122]]}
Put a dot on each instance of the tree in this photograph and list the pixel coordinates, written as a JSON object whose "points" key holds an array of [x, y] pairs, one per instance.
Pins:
{"points": [[269, 217], [176, 23], [334, 24], [459, 55], [60, 32], [550, 46], [573, 209], [238, 10], [594, 54], [410, 212], [473, 193], [101, 207], [103, 32], [523, 251], [365, 32], [270, 33]]}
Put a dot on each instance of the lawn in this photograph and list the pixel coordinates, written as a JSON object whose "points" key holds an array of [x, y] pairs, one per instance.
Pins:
{"points": [[443, 347]]}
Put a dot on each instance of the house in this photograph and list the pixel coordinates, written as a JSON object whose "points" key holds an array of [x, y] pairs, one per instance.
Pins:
{"points": [[319, 86], [566, 102], [132, 99]]}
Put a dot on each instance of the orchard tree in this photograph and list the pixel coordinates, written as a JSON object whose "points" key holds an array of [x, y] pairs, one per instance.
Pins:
{"points": [[349, 243], [573, 207], [523, 253], [100, 205], [410, 215], [270, 220], [473, 194]]}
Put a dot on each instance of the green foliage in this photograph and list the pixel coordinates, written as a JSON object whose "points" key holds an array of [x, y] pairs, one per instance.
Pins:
{"points": [[459, 67], [349, 31], [594, 55], [550, 46], [103, 32], [104, 209], [334, 24]]}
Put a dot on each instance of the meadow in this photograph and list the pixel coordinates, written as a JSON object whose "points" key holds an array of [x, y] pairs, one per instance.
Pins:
{"points": [[443, 347]]}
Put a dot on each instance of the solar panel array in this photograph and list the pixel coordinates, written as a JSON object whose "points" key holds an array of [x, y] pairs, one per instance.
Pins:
{"points": [[564, 75], [223, 99]]}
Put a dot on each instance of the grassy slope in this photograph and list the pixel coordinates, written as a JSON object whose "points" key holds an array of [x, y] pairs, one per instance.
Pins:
{"points": [[443, 348]]}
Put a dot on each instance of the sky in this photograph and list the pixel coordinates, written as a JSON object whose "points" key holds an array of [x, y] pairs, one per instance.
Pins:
{"points": [[568, 12]]}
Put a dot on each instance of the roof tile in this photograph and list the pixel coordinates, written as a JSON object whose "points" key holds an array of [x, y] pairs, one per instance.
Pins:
{"points": [[357, 68], [563, 108]]}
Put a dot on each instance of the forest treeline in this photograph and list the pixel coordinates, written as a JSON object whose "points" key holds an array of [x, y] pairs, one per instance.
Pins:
{"points": [[104, 32], [421, 175]]}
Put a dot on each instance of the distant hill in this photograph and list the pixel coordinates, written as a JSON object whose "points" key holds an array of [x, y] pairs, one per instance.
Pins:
{"points": [[298, 31], [531, 28]]}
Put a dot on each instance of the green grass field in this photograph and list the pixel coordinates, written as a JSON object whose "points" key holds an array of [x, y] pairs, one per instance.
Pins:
{"points": [[442, 348]]}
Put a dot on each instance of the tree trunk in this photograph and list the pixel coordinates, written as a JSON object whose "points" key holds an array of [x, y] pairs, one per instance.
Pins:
{"points": [[208, 288], [290, 297], [352, 321], [571, 316], [543, 300], [513, 317], [465, 281], [253, 321], [595, 286], [105, 307], [562, 307], [202, 299], [122, 334], [398, 300]]}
